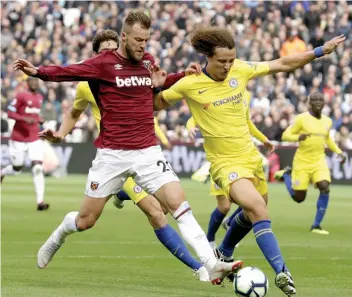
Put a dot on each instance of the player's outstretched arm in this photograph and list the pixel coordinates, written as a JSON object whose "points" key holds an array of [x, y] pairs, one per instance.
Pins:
{"points": [[292, 62], [89, 69], [68, 123], [172, 78]]}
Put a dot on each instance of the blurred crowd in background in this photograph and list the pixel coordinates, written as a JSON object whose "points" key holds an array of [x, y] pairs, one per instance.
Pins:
{"points": [[61, 33]]}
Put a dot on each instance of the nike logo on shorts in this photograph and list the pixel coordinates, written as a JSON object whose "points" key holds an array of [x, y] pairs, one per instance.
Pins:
{"points": [[201, 92]]}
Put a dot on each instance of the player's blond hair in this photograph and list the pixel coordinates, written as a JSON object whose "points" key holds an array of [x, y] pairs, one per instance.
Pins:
{"points": [[136, 17], [206, 39]]}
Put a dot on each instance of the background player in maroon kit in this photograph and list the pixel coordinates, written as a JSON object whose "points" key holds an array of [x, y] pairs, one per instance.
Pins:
{"points": [[122, 84], [25, 110]]}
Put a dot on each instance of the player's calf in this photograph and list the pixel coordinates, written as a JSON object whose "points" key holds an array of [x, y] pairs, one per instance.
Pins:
{"points": [[90, 212], [38, 181], [322, 205], [152, 209], [172, 196], [244, 193], [217, 216]]}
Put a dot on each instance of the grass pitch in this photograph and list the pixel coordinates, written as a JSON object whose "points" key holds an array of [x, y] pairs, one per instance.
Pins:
{"points": [[120, 256]]}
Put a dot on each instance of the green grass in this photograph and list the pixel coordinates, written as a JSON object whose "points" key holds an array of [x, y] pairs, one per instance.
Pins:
{"points": [[120, 256]]}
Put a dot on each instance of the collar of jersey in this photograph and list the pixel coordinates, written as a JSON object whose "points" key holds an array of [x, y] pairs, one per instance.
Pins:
{"points": [[314, 115], [207, 73]]}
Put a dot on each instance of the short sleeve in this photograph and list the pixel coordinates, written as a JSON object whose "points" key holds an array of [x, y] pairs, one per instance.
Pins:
{"points": [[81, 100], [175, 92], [254, 69]]}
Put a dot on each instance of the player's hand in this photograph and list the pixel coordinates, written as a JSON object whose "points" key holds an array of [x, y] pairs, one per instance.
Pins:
{"points": [[342, 157], [25, 66], [158, 76], [29, 120], [192, 133], [332, 44], [303, 137], [193, 68], [269, 146], [50, 135]]}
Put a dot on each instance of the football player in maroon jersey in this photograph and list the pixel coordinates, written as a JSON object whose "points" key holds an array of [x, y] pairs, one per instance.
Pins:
{"points": [[123, 84], [25, 110]]}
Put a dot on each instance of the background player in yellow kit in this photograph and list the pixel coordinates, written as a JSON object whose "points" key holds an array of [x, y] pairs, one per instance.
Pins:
{"points": [[223, 203], [215, 99], [311, 129], [108, 40]]}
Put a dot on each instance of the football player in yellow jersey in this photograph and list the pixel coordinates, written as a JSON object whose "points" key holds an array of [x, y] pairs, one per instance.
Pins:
{"points": [[311, 129], [223, 203], [215, 99], [108, 40]]}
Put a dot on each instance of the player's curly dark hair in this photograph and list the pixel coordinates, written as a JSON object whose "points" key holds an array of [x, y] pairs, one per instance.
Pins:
{"points": [[206, 39], [137, 17], [102, 36]]}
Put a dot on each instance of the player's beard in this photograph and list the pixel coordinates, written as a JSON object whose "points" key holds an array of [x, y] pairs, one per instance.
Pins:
{"points": [[130, 54]]}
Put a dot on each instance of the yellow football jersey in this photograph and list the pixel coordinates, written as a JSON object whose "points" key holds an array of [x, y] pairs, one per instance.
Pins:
{"points": [[219, 108], [312, 149], [83, 98], [253, 130]]}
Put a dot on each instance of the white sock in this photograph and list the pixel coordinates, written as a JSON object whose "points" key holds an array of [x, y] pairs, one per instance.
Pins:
{"points": [[193, 234], [67, 227], [38, 180], [8, 170]]}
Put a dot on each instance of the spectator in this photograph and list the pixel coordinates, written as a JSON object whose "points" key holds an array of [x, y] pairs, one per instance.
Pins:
{"points": [[337, 119], [292, 45], [61, 32]]}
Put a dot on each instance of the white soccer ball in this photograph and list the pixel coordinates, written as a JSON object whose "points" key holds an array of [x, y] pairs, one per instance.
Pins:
{"points": [[250, 282]]}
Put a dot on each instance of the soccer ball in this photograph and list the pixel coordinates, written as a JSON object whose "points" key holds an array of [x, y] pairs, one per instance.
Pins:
{"points": [[250, 282]]}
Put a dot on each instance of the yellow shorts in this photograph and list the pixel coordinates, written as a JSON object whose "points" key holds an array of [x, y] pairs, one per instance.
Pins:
{"points": [[303, 174], [135, 192], [215, 190], [226, 171]]}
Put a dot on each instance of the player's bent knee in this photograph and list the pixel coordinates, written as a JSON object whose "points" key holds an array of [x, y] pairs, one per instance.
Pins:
{"points": [[224, 204], [324, 187], [17, 168], [171, 195], [256, 211], [37, 169], [300, 196], [224, 208]]}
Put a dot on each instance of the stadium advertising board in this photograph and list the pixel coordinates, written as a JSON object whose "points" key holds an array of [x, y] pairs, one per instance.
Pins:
{"points": [[185, 159]]}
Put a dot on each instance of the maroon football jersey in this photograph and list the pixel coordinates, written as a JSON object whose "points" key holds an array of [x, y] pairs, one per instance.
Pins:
{"points": [[26, 105], [123, 92]]}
